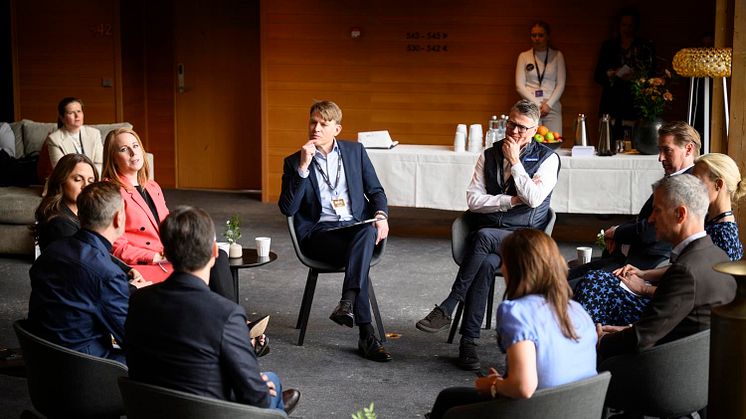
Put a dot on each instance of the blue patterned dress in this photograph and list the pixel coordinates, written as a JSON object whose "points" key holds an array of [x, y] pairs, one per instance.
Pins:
{"points": [[610, 304]]}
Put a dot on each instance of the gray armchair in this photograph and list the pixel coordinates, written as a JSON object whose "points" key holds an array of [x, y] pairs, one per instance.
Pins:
{"points": [[68, 384], [669, 380], [578, 400], [315, 268], [146, 401], [460, 230]]}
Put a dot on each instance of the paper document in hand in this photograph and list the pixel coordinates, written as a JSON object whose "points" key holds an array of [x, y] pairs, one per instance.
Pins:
{"points": [[376, 139]]}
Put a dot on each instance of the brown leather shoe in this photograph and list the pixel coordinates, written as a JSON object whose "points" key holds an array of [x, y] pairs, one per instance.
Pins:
{"points": [[371, 348], [290, 399]]}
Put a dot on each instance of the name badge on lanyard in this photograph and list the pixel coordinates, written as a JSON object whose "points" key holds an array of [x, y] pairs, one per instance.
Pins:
{"points": [[339, 206], [539, 93]]}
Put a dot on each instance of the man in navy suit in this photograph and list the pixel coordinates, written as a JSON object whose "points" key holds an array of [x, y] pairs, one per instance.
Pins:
{"points": [[182, 336], [78, 295], [330, 184]]}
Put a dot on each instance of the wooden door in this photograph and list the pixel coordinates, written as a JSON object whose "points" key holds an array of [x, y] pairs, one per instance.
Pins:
{"points": [[216, 51]]}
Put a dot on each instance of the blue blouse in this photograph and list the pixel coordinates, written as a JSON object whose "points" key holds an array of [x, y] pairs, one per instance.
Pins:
{"points": [[559, 360], [725, 236]]}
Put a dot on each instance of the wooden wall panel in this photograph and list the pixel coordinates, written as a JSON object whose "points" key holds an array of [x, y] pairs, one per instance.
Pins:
{"points": [[66, 51], [308, 53], [148, 81]]}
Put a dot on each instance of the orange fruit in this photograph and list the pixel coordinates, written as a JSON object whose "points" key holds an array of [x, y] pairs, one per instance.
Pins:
{"points": [[556, 134], [542, 130]]}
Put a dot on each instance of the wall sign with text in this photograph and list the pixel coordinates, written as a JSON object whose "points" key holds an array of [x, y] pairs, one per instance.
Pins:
{"points": [[426, 41]]}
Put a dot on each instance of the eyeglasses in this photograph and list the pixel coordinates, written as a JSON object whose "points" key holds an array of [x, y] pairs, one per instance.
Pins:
{"points": [[538, 35], [510, 126]]}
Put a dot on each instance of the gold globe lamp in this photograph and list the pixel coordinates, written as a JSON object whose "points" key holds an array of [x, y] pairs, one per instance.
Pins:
{"points": [[700, 63]]}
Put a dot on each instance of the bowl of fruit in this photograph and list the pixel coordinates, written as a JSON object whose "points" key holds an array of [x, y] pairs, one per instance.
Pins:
{"points": [[550, 139]]}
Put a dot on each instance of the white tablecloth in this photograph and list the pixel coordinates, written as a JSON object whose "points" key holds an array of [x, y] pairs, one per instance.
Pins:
{"points": [[429, 176]]}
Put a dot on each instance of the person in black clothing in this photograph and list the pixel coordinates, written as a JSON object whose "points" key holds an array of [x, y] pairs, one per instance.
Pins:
{"points": [[623, 58]]}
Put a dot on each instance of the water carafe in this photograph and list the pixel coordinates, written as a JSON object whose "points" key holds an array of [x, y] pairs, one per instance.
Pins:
{"points": [[491, 136], [581, 137], [604, 137]]}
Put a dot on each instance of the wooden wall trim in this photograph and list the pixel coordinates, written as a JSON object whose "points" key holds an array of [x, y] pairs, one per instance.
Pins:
{"points": [[14, 47], [737, 134], [118, 90]]}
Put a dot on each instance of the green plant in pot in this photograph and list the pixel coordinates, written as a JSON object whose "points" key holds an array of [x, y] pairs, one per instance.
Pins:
{"points": [[232, 233], [650, 96]]}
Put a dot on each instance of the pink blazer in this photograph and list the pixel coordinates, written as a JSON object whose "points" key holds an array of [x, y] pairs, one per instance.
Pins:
{"points": [[140, 241]]}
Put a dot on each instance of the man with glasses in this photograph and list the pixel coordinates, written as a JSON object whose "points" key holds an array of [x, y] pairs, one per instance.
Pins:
{"points": [[510, 189]]}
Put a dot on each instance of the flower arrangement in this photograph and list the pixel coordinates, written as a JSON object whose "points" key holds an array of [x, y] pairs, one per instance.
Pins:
{"points": [[232, 229], [601, 240], [651, 95]]}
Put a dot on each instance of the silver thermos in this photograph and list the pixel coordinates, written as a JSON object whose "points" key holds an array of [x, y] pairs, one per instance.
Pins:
{"points": [[604, 137], [581, 138]]}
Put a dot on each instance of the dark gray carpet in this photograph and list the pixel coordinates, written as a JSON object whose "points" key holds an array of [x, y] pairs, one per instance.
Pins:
{"points": [[415, 274]]}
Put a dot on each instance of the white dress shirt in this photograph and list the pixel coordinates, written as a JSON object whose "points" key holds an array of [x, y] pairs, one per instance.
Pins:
{"points": [[531, 194]]}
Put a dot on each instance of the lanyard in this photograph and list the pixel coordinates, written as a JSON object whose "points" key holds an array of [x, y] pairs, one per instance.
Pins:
{"points": [[80, 138], [540, 75], [325, 176], [719, 217]]}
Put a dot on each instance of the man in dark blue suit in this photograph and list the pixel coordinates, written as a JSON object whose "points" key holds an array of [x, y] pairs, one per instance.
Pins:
{"points": [[78, 295], [182, 336], [330, 184]]}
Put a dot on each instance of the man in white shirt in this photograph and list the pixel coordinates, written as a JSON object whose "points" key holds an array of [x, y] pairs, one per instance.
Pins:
{"points": [[511, 189]]}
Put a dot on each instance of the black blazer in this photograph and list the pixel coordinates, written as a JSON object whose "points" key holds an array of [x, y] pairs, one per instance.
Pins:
{"points": [[300, 196], [681, 304], [182, 336]]}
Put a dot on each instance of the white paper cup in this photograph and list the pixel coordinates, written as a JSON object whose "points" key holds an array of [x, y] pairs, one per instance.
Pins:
{"points": [[224, 246], [461, 128], [459, 142], [262, 246], [584, 254], [475, 138]]}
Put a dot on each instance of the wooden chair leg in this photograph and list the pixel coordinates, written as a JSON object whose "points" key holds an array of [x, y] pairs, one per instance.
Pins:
{"points": [[455, 322], [305, 308], [490, 302], [376, 312]]}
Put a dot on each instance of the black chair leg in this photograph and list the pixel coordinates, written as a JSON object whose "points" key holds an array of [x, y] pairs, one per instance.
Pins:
{"points": [[376, 312], [305, 308], [455, 322], [490, 302]]}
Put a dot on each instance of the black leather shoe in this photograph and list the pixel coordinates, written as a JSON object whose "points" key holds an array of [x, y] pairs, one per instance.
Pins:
{"points": [[342, 314], [290, 399], [371, 348]]}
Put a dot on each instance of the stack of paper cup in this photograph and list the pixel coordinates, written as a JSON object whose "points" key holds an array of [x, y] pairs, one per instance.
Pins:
{"points": [[459, 141], [475, 138]]}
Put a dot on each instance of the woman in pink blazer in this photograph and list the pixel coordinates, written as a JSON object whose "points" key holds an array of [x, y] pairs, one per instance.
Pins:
{"points": [[145, 208]]}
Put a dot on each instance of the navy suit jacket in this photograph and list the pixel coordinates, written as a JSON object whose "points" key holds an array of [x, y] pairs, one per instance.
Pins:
{"points": [[182, 336], [79, 297], [300, 196]]}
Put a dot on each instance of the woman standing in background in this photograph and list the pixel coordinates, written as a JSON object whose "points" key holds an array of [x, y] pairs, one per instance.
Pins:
{"points": [[540, 77]]}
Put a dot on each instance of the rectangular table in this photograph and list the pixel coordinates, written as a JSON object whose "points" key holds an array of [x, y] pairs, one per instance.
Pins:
{"points": [[431, 176]]}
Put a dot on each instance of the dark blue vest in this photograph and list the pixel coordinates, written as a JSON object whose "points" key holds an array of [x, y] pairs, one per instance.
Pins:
{"points": [[522, 216]]}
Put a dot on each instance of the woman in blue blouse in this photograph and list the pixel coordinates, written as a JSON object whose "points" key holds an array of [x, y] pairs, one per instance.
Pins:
{"points": [[548, 339], [610, 302]]}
